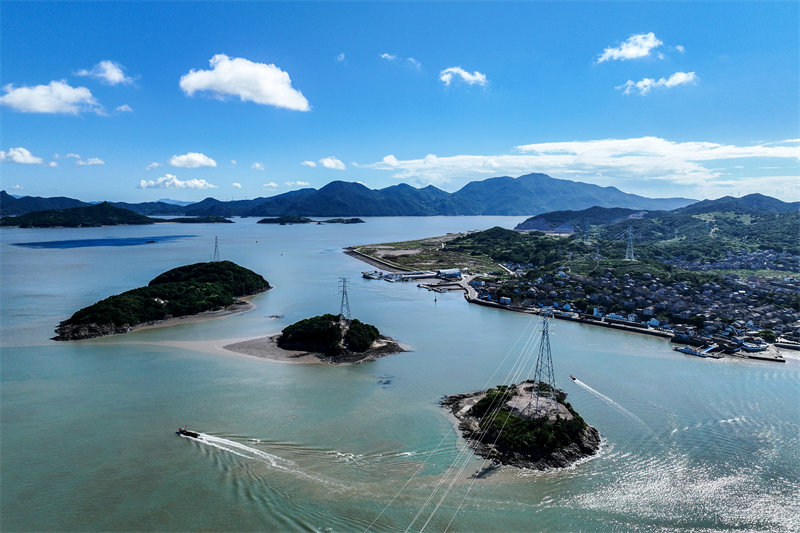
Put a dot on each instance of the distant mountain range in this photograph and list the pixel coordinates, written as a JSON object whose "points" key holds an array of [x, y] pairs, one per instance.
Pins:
{"points": [[569, 221], [739, 223], [526, 195]]}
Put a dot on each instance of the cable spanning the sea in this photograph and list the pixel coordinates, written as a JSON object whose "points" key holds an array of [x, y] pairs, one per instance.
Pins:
{"points": [[529, 339]]}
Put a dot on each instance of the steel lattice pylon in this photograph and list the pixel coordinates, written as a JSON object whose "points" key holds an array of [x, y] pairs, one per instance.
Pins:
{"points": [[629, 250], [543, 371], [215, 256], [344, 308]]}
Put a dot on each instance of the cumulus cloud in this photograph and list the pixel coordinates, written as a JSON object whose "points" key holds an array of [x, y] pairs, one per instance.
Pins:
{"points": [[414, 63], [16, 187], [271, 185], [108, 72], [170, 181], [298, 183], [475, 78], [608, 161], [124, 108], [646, 85], [56, 97], [340, 58], [680, 48], [388, 57], [257, 166], [311, 164], [154, 164], [192, 160], [90, 161], [236, 185], [635, 47], [331, 162], [261, 83], [73, 155], [20, 155], [52, 164]]}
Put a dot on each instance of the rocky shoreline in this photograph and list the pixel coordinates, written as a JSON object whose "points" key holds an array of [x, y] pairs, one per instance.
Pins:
{"points": [[460, 405]]}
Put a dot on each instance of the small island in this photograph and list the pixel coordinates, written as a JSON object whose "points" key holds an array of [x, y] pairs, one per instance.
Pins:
{"points": [[182, 291], [507, 425], [328, 337], [285, 220]]}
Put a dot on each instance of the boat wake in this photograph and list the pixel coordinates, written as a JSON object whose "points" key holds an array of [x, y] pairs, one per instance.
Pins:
{"points": [[610, 402], [248, 452]]}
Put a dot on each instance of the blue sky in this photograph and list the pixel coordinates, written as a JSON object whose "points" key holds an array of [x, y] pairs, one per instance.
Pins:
{"points": [[138, 101]]}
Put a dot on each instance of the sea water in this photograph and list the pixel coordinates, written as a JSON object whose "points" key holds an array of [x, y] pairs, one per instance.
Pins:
{"points": [[88, 437]]}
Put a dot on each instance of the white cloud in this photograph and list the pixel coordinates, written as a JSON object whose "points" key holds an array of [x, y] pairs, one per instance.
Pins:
{"points": [[298, 183], [680, 48], [56, 97], [311, 164], [254, 82], [331, 162], [646, 85], [124, 108], [107, 71], [192, 160], [388, 57], [233, 162], [257, 166], [73, 155], [271, 185], [52, 164], [170, 181], [608, 161], [16, 187], [476, 78], [635, 47], [416, 64], [20, 155], [340, 58], [90, 161], [154, 164], [236, 185]]}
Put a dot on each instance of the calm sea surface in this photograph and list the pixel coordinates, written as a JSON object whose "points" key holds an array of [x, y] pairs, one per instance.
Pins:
{"points": [[87, 434]]}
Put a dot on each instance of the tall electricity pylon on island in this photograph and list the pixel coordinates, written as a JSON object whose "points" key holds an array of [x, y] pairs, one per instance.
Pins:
{"points": [[344, 308]]}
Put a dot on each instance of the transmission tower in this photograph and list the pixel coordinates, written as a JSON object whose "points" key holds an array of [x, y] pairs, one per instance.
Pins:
{"points": [[215, 255], [543, 372], [344, 308], [629, 250]]}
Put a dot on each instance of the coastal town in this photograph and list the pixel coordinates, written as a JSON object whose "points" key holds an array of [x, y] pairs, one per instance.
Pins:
{"points": [[741, 316]]}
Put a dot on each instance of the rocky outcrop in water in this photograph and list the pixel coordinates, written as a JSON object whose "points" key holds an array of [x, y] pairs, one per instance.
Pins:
{"points": [[500, 425]]}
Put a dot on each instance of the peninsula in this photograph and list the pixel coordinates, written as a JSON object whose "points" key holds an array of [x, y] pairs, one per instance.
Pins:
{"points": [[524, 426], [182, 291]]}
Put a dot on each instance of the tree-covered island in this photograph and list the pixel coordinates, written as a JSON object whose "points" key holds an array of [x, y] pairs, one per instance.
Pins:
{"points": [[186, 290], [506, 425], [102, 214], [340, 341], [287, 220]]}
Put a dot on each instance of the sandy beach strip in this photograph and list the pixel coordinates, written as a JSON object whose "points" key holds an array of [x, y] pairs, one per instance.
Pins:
{"points": [[242, 305]]}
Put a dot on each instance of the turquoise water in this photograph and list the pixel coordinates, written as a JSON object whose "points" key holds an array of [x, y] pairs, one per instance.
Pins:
{"points": [[88, 437]]}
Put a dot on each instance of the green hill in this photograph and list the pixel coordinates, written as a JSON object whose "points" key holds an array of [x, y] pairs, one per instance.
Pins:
{"points": [[326, 334], [185, 290], [103, 214]]}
